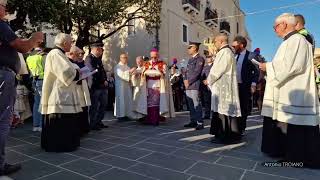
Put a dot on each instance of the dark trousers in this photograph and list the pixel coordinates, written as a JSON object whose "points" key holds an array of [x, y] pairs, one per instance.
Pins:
{"points": [[206, 101], [225, 128], [177, 100], [111, 98], [7, 99], [36, 115], [98, 106], [244, 97], [299, 143]]}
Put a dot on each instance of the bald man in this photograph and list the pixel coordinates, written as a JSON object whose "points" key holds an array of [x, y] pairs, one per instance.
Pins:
{"points": [[123, 99], [225, 104]]}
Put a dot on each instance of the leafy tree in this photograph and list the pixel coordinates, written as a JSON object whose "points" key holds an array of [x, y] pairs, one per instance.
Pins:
{"points": [[84, 16]]}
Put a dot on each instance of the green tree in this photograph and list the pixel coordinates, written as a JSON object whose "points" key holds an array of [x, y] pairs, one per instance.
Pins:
{"points": [[85, 16]]}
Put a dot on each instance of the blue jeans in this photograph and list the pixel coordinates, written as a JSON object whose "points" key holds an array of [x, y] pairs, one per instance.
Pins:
{"points": [[37, 116], [7, 99], [98, 106], [194, 106]]}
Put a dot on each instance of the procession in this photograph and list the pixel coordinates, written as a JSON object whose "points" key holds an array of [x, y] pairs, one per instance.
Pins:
{"points": [[146, 110]]}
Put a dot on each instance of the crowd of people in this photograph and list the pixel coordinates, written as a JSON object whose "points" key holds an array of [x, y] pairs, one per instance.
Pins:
{"points": [[71, 92]]}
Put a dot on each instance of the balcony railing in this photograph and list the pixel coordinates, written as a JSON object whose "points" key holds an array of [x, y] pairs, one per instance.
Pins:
{"points": [[225, 26], [211, 18], [194, 3], [211, 15]]}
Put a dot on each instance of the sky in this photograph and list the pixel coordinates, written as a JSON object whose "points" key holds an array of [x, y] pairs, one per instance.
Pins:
{"points": [[260, 26]]}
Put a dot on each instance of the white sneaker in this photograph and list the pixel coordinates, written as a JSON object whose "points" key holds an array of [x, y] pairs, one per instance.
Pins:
{"points": [[35, 129]]}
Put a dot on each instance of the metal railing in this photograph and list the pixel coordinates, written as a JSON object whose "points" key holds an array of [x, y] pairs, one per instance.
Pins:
{"points": [[211, 15], [224, 25], [195, 3]]}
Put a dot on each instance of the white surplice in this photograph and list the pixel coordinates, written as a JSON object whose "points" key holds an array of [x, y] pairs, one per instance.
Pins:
{"points": [[291, 94], [123, 91], [223, 83], [136, 81], [59, 94], [83, 91]]}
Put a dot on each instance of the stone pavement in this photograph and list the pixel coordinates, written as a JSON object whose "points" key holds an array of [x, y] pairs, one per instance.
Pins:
{"points": [[129, 151]]}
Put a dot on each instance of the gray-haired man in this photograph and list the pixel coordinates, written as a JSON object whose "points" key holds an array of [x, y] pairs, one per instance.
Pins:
{"points": [[10, 45]]}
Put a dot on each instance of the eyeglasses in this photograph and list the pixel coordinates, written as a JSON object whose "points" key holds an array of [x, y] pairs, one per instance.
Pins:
{"points": [[276, 26]]}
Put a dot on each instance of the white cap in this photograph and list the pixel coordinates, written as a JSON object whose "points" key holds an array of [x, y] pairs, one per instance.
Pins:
{"points": [[3, 2]]}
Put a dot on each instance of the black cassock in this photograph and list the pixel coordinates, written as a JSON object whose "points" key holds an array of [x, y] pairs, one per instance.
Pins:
{"points": [[225, 128], [60, 132], [297, 144]]}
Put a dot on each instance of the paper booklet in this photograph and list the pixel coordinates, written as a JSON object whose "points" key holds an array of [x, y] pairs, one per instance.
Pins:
{"points": [[85, 73], [255, 62]]}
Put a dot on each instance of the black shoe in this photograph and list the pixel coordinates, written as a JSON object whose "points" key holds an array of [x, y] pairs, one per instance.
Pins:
{"points": [[96, 128], [141, 119], [200, 127], [122, 119], [9, 169], [191, 125], [102, 126], [216, 141], [226, 141]]}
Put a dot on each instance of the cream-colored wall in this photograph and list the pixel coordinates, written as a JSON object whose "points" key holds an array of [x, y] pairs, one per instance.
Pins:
{"points": [[317, 52], [171, 44], [173, 17], [135, 45]]}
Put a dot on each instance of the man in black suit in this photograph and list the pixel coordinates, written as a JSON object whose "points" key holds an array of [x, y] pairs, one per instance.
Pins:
{"points": [[247, 76]]}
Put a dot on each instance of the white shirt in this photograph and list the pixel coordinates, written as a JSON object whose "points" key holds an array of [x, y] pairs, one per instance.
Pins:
{"points": [[239, 65], [195, 55]]}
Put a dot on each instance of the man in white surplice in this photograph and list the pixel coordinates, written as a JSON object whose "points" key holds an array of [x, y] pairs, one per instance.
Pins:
{"points": [[291, 103], [123, 99], [225, 103], [136, 85]]}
